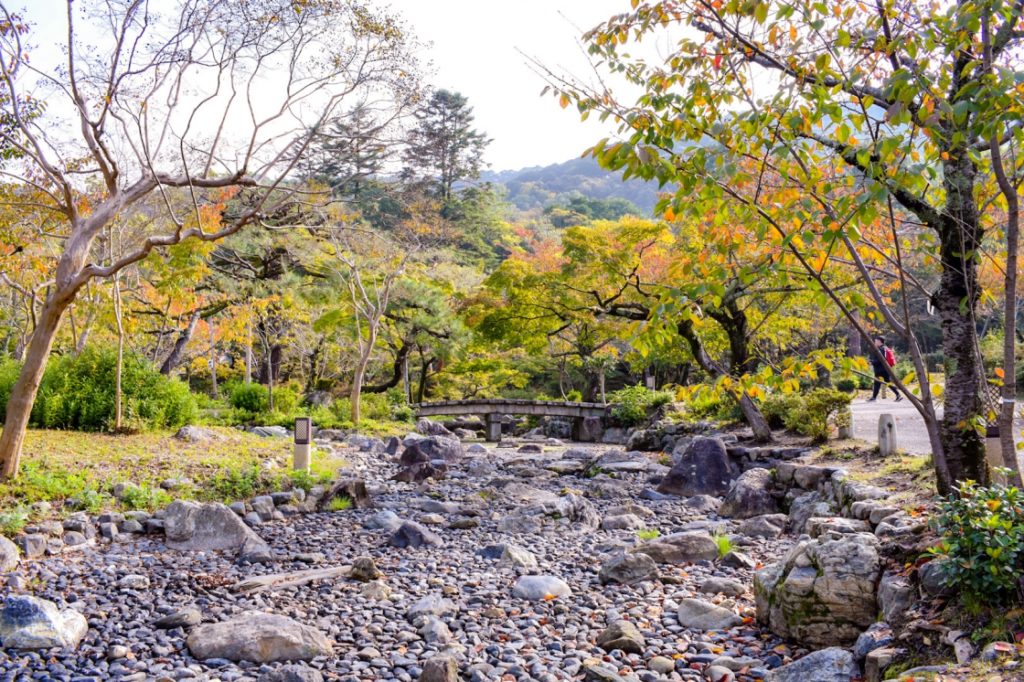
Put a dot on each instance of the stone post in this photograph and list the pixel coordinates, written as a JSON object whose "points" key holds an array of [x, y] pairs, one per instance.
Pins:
{"points": [[494, 427], [303, 436], [887, 437]]}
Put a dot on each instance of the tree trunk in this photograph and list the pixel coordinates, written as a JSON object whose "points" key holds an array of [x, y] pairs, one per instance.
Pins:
{"points": [[751, 412], [956, 300], [356, 392], [23, 393], [270, 384], [213, 363], [118, 401], [248, 354], [1008, 393], [399, 372], [177, 353]]}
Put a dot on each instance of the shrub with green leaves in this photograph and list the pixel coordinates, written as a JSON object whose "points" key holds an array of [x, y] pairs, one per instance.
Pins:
{"points": [[633, 404], [78, 392], [252, 398], [846, 385], [811, 414], [982, 532]]}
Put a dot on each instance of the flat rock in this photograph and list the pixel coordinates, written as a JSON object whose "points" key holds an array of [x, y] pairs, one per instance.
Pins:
{"points": [[750, 495], [827, 665], [764, 526], [32, 623], [627, 569], [193, 527], [292, 673], [258, 637], [726, 586], [680, 548], [698, 614]]}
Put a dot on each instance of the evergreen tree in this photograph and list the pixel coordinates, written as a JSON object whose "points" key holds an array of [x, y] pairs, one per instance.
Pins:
{"points": [[444, 147]]}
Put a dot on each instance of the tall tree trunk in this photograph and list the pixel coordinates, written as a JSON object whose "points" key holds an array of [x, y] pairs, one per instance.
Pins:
{"points": [[23, 393], [365, 351], [119, 372], [1008, 393], [213, 362], [956, 300], [177, 354]]}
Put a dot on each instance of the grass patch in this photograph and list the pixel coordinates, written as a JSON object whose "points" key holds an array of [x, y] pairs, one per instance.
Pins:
{"points": [[648, 534], [339, 503], [724, 544], [13, 521], [60, 466]]}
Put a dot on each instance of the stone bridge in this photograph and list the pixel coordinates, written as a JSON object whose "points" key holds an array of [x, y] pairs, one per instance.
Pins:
{"points": [[587, 418]]}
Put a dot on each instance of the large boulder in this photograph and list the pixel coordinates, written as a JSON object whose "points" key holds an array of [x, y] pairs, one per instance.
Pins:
{"points": [[750, 495], [31, 623], [428, 427], [412, 534], [540, 587], [680, 548], [432, 448], [194, 527], [703, 468], [823, 592], [828, 665], [258, 637]]}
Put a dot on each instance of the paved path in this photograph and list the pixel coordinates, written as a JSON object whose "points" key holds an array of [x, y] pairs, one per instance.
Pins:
{"points": [[909, 425]]}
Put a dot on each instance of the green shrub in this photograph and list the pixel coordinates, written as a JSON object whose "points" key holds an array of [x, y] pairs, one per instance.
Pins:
{"points": [[339, 503], [13, 521], [403, 413], [847, 385], [648, 534], [631, 405], [812, 414], [982, 533], [574, 396], [78, 392], [9, 370], [237, 484], [144, 497], [252, 398]]}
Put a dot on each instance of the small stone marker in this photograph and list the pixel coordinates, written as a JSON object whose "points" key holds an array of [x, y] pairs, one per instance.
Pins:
{"points": [[303, 436], [887, 440]]}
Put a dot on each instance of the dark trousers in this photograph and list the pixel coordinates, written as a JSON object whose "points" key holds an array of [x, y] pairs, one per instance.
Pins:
{"points": [[881, 379]]}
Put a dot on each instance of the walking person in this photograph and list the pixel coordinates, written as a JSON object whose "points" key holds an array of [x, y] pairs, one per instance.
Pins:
{"points": [[882, 363]]}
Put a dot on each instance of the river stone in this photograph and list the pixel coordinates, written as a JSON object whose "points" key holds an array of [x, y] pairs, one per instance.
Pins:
{"points": [[750, 495], [383, 520], [622, 636], [764, 526], [9, 555], [185, 617], [703, 468], [805, 507], [364, 570], [292, 673], [896, 594], [514, 556], [258, 637], [622, 522], [31, 623], [875, 637], [823, 592], [828, 665], [193, 527], [627, 569], [431, 605], [442, 668], [726, 586], [680, 548], [412, 534], [429, 427], [697, 614], [539, 587]]}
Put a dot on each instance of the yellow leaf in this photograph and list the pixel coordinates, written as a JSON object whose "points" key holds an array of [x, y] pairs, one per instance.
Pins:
{"points": [[564, 101]]}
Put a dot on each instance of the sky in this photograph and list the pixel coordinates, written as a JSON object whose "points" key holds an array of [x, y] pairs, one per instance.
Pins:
{"points": [[479, 48], [475, 48]]}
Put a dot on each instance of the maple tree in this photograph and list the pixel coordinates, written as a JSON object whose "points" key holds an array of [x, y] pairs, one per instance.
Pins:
{"points": [[822, 122]]}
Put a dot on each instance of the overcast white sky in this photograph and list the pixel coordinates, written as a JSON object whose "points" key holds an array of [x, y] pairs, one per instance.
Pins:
{"points": [[473, 49]]}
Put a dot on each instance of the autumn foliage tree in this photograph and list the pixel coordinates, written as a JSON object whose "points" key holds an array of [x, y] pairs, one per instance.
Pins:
{"points": [[823, 122], [161, 118]]}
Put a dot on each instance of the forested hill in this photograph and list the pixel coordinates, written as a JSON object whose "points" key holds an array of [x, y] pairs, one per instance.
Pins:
{"points": [[542, 186]]}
